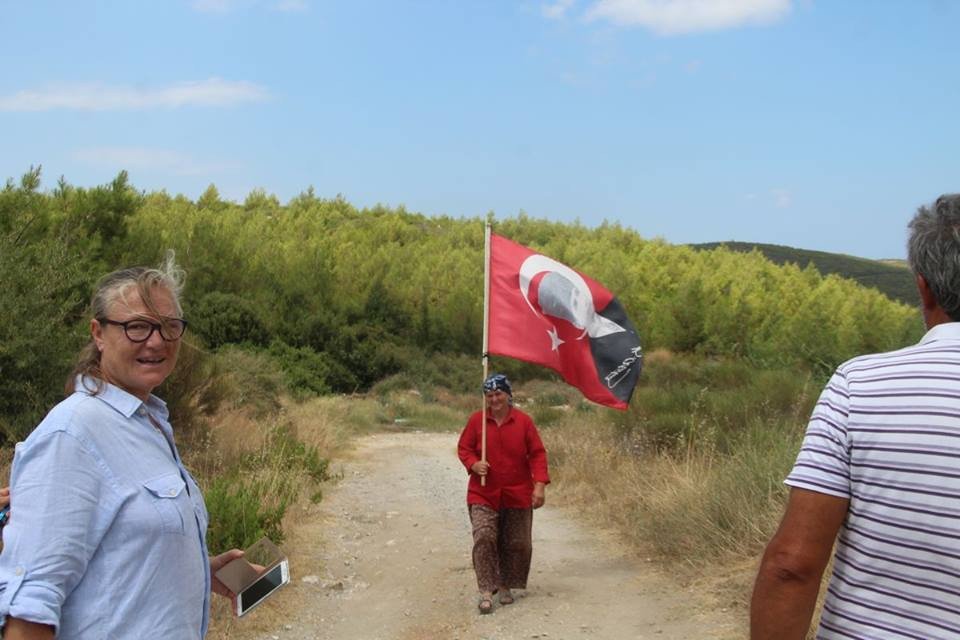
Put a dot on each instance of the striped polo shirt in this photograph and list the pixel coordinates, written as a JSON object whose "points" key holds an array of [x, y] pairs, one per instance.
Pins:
{"points": [[885, 434]]}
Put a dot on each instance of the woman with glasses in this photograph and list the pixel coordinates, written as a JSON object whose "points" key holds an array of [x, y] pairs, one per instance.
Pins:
{"points": [[108, 536]]}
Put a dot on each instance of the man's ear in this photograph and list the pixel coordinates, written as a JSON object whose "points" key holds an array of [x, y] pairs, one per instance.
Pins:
{"points": [[927, 300]]}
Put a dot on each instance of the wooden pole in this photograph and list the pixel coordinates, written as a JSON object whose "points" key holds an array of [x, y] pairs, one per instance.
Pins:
{"points": [[486, 326]]}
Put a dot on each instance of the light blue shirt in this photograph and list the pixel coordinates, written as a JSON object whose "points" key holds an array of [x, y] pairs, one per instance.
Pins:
{"points": [[106, 534]]}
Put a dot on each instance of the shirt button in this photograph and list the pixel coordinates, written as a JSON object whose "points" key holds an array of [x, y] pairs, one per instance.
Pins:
{"points": [[18, 571], [172, 492], [141, 412]]}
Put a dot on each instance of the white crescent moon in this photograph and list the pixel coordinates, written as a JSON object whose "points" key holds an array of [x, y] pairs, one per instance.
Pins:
{"points": [[598, 325]]}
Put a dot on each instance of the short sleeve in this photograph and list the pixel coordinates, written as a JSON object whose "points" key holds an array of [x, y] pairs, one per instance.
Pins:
{"points": [[823, 464]]}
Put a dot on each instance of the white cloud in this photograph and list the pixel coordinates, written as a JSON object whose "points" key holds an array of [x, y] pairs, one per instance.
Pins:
{"points": [[97, 97], [556, 10], [141, 158], [670, 17]]}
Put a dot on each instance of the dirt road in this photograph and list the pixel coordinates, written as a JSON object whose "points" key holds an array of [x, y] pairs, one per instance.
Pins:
{"points": [[386, 556]]}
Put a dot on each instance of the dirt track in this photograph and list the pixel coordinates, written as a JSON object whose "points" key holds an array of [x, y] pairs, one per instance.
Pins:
{"points": [[386, 556]]}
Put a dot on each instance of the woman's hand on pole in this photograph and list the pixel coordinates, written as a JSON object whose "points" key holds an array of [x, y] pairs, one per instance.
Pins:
{"points": [[480, 468]]}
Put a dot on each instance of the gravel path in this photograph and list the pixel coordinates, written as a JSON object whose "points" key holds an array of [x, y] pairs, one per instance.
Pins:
{"points": [[386, 556]]}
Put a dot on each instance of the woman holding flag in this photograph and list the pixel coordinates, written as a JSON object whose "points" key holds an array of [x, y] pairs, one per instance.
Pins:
{"points": [[505, 486]]}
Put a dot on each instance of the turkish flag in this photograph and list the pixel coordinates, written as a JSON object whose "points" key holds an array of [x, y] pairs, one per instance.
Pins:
{"points": [[544, 312]]}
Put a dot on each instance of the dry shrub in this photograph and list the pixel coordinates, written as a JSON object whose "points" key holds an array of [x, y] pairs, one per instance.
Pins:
{"points": [[320, 423], [463, 404], [695, 506], [657, 356]]}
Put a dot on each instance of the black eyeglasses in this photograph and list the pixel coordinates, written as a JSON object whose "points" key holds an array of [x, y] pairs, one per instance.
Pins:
{"points": [[141, 330]]}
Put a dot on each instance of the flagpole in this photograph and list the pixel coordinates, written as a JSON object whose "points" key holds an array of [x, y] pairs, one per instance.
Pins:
{"points": [[486, 325]]}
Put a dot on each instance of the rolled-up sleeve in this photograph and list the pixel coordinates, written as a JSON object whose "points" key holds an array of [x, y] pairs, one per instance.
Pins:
{"points": [[61, 498]]}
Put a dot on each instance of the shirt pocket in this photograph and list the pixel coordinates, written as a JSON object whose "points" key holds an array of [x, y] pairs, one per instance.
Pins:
{"points": [[165, 493]]}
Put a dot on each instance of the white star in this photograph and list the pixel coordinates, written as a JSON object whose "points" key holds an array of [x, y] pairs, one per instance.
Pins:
{"points": [[555, 340]]}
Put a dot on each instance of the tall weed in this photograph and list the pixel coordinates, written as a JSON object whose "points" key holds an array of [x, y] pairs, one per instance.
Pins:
{"points": [[250, 500], [694, 470]]}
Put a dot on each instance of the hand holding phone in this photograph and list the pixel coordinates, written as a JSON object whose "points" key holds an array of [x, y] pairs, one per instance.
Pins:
{"points": [[250, 579], [266, 584]]}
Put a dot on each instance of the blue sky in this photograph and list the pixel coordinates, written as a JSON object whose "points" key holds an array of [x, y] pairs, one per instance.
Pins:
{"points": [[811, 123]]}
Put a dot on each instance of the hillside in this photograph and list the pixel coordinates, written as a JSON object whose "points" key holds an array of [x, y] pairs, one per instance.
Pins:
{"points": [[890, 277]]}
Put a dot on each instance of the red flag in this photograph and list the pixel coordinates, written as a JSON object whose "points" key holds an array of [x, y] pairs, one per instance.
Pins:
{"points": [[544, 312]]}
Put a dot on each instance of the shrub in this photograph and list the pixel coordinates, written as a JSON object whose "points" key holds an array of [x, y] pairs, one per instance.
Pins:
{"points": [[690, 398], [250, 501], [367, 353], [252, 380], [238, 515], [306, 371], [40, 301], [224, 318]]}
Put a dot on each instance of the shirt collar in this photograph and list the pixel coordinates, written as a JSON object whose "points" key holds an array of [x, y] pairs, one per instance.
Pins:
{"points": [[123, 401], [506, 418], [943, 331]]}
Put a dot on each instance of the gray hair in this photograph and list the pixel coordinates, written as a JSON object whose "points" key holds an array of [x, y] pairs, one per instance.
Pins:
{"points": [[115, 286], [933, 251]]}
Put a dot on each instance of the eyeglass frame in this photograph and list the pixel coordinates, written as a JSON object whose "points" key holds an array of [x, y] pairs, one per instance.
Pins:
{"points": [[154, 327]]}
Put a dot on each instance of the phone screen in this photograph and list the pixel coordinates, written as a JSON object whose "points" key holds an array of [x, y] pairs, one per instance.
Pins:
{"points": [[264, 586]]}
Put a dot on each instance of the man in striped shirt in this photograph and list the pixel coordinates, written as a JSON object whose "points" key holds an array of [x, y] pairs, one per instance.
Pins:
{"points": [[880, 466]]}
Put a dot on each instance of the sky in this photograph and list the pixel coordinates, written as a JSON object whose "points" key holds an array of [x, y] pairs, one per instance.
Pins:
{"points": [[810, 123]]}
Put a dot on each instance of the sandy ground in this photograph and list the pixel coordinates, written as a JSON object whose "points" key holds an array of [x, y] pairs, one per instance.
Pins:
{"points": [[386, 556]]}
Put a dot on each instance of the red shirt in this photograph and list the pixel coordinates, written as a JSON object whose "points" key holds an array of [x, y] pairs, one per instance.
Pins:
{"points": [[517, 459]]}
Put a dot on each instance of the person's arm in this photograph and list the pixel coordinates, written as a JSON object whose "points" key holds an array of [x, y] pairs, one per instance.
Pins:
{"points": [[63, 510], [17, 629], [785, 593], [468, 446], [537, 456]]}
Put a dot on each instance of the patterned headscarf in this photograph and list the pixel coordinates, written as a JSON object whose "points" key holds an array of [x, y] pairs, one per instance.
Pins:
{"points": [[497, 381]]}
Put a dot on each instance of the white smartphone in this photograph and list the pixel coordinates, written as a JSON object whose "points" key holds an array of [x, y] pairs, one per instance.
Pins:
{"points": [[262, 588]]}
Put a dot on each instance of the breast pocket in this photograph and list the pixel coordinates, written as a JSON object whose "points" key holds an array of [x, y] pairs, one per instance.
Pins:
{"points": [[166, 493]]}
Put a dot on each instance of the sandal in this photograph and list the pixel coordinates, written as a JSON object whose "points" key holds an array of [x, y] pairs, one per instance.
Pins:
{"points": [[506, 597], [485, 605]]}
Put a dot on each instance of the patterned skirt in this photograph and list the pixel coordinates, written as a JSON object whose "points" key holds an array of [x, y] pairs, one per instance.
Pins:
{"points": [[502, 547]]}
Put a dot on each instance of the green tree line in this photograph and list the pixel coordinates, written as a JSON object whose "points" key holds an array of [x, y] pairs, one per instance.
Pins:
{"points": [[341, 297]]}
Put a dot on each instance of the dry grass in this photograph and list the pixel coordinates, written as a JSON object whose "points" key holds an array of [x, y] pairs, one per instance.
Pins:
{"points": [[705, 515], [327, 424]]}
